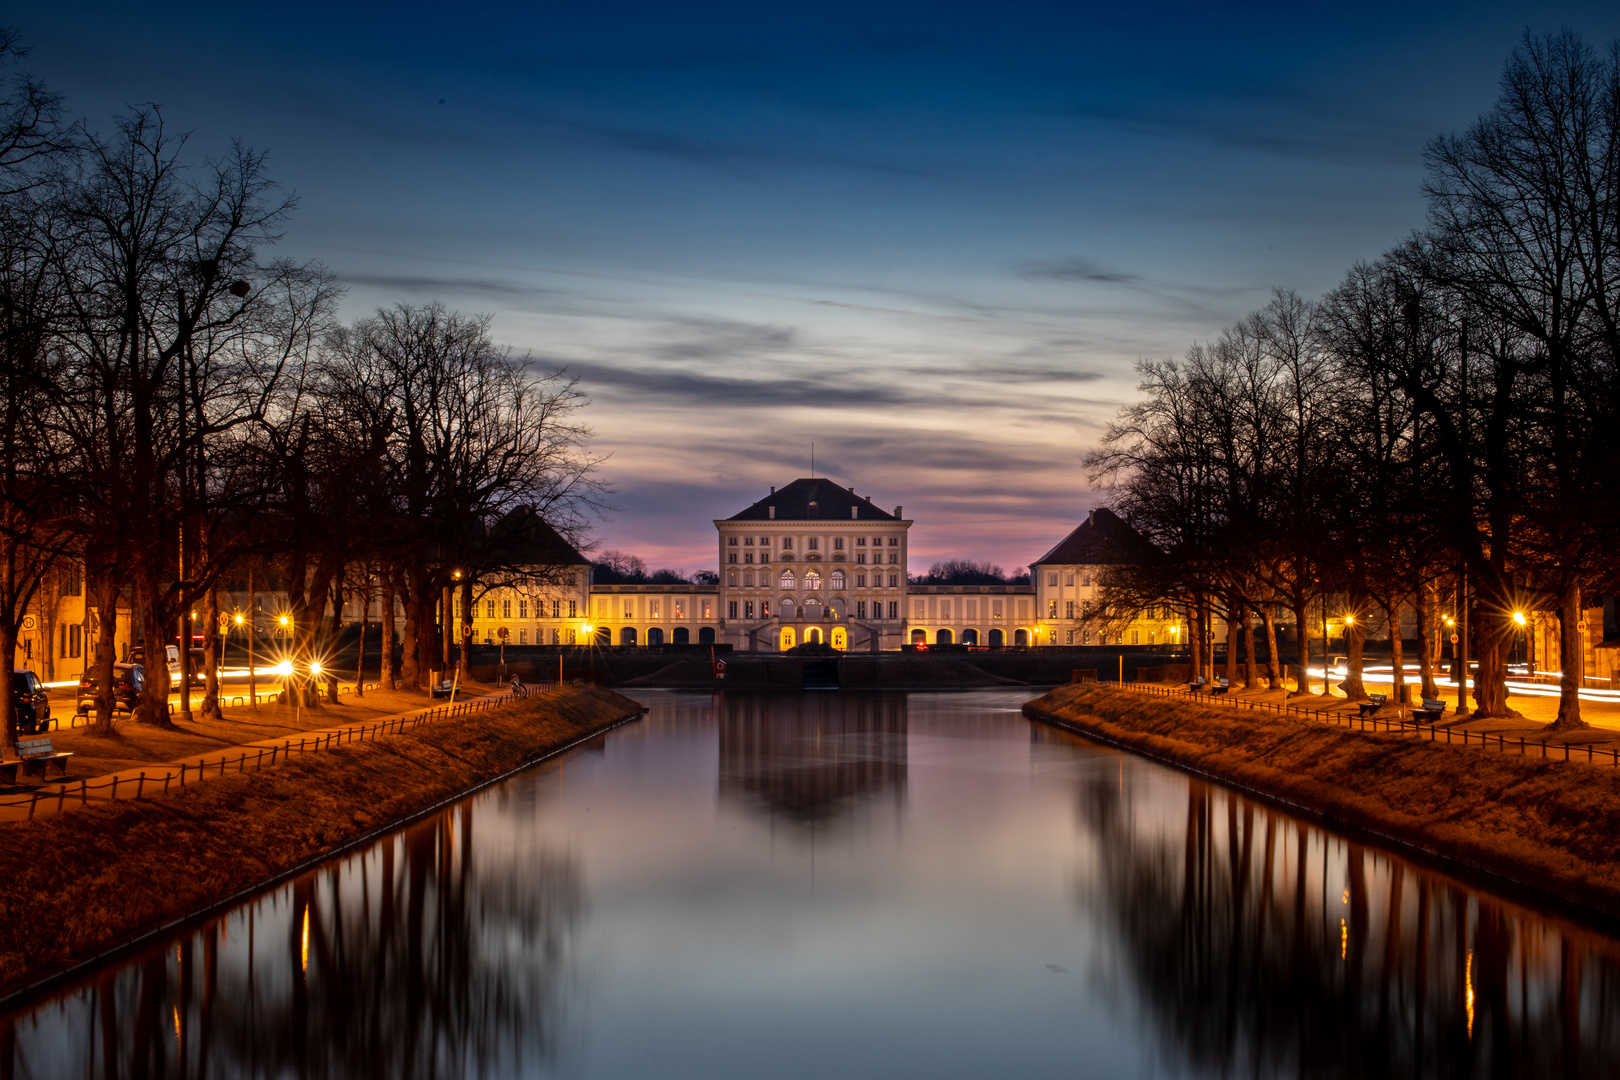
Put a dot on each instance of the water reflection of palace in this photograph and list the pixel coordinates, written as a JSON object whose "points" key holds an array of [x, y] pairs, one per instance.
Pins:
{"points": [[812, 758], [1263, 946]]}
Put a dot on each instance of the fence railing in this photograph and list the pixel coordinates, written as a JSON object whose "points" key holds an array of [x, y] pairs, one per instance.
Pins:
{"points": [[1484, 739], [165, 777]]}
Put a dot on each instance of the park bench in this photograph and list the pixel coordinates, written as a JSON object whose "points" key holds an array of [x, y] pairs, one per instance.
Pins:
{"points": [[1221, 686], [1373, 703], [444, 689], [39, 756], [1430, 712], [1197, 685]]}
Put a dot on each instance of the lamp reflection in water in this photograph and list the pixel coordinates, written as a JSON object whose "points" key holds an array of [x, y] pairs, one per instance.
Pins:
{"points": [[1234, 929], [408, 959]]}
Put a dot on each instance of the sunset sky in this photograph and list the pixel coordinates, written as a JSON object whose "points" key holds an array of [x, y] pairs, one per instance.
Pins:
{"points": [[930, 238]]}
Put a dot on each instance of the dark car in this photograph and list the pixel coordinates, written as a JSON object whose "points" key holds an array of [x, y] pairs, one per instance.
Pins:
{"points": [[129, 681], [33, 703]]}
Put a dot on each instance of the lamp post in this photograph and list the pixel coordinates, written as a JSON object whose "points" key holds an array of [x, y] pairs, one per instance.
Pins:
{"points": [[1520, 621]]}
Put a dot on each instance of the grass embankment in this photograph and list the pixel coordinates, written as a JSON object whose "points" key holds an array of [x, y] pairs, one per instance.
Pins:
{"points": [[1547, 825], [74, 885]]}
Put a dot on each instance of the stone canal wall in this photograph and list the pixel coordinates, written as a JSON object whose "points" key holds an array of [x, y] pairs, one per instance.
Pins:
{"points": [[1548, 828], [78, 887]]}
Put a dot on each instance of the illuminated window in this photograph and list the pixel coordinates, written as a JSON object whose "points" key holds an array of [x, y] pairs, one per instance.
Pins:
{"points": [[837, 580], [1051, 609], [786, 579], [812, 580], [708, 610]]}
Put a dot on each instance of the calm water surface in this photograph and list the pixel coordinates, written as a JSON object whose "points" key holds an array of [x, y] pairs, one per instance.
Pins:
{"points": [[850, 885]]}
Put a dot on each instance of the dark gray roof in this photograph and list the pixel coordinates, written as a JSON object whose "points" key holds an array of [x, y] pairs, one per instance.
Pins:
{"points": [[813, 500], [524, 536], [1102, 539]]}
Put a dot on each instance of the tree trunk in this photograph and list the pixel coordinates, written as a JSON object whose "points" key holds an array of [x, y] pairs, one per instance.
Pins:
{"points": [[336, 635], [1231, 642], [1425, 620], [1355, 637], [1302, 635], [102, 589], [153, 708], [462, 632], [389, 672], [1493, 638], [1248, 646], [1571, 659], [8, 699], [1397, 655], [211, 657], [1195, 638], [365, 620], [1274, 679]]}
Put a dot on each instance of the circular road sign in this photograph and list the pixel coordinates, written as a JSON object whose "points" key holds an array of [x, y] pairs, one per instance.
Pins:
{"points": [[1455, 639], [503, 633]]}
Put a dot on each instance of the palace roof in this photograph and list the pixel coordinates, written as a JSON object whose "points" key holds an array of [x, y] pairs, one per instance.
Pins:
{"points": [[814, 500], [1102, 539]]}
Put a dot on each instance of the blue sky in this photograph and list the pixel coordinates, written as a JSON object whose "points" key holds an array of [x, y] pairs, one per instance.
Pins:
{"points": [[930, 238]]}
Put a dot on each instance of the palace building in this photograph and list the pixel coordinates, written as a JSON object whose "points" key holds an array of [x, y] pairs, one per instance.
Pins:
{"points": [[816, 562]]}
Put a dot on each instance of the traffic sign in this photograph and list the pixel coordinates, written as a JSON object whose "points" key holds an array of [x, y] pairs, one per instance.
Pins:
{"points": [[1581, 626], [503, 633], [719, 671], [1455, 639]]}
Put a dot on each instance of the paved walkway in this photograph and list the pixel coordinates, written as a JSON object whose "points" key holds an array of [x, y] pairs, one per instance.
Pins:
{"points": [[244, 757]]}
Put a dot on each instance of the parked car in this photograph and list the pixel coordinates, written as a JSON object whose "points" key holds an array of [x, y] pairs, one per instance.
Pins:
{"points": [[129, 680], [33, 703], [171, 654]]}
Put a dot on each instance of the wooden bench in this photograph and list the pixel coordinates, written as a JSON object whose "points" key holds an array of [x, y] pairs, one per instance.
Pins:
{"points": [[37, 755], [1197, 685], [1221, 686], [443, 689], [1373, 703], [1430, 712]]}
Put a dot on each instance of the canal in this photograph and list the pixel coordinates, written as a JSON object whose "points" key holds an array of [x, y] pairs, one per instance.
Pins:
{"points": [[850, 885]]}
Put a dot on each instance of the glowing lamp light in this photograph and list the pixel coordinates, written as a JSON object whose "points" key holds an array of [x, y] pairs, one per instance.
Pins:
{"points": [[1349, 620], [588, 628], [1450, 621], [314, 667], [1518, 617], [238, 620], [283, 668], [283, 620]]}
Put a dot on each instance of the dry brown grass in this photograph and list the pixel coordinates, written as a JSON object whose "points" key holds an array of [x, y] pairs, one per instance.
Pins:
{"points": [[1549, 825], [73, 884]]}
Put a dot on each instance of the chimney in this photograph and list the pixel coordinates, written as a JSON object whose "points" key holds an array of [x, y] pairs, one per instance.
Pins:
{"points": [[771, 511], [773, 489], [898, 513]]}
